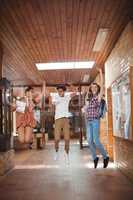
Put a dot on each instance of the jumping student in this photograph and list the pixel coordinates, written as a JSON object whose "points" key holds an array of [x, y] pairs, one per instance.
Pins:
{"points": [[61, 103], [91, 110], [25, 118]]}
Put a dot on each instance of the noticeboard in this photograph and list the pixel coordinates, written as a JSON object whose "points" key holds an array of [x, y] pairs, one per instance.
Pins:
{"points": [[121, 107]]}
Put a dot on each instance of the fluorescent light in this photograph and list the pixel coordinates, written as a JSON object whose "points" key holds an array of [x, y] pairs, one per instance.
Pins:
{"points": [[100, 39], [65, 65]]}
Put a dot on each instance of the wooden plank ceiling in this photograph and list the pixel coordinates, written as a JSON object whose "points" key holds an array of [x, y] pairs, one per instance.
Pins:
{"points": [[33, 31]]}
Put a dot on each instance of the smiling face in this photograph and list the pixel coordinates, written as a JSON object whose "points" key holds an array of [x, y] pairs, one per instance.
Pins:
{"points": [[61, 92], [29, 92], [95, 88]]}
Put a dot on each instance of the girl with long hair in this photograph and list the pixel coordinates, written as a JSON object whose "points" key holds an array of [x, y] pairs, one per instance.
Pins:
{"points": [[25, 117], [91, 110]]}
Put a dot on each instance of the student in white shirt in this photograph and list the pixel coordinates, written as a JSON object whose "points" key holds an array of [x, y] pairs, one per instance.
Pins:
{"points": [[61, 102]]}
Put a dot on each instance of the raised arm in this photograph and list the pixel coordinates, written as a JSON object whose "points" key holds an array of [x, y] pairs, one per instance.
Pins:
{"points": [[101, 84], [44, 88], [38, 96], [50, 101]]}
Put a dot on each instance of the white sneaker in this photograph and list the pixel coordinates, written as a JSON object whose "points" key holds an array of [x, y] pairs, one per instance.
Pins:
{"points": [[56, 156], [67, 160]]}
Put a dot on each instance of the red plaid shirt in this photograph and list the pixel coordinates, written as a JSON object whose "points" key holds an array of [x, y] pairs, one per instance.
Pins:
{"points": [[92, 109]]}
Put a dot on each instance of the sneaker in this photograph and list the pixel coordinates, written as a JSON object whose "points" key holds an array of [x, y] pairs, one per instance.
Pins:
{"points": [[67, 158], [56, 156], [96, 162], [105, 162]]}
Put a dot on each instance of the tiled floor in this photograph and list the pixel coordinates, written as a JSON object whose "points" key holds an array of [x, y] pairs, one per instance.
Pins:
{"points": [[38, 177]]}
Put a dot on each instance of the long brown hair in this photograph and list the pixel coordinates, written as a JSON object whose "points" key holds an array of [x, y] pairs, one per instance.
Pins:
{"points": [[90, 94]]}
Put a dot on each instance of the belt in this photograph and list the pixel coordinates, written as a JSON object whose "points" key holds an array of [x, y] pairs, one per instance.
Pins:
{"points": [[62, 118], [92, 119]]}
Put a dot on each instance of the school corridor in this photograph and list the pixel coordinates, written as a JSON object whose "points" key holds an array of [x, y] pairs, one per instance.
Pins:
{"points": [[38, 176], [66, 75]]}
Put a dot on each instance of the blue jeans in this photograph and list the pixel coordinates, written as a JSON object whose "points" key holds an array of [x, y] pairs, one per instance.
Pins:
{"points": [[93, 138]]}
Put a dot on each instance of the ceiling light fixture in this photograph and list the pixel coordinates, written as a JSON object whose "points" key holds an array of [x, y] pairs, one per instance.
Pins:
{"points": [[100, 39], [65, 65]]}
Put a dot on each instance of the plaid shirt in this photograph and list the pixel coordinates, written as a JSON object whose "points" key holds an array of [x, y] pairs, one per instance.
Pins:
{"points": [[92, 109]]}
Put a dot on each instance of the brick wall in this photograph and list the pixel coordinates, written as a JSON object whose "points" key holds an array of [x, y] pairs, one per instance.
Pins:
{"points": [[120, 58], [123, 155], [109, 121]]}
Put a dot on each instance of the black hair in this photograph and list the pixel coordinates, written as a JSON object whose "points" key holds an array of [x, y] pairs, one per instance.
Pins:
{"points": [[28, 89], [63, 87]]}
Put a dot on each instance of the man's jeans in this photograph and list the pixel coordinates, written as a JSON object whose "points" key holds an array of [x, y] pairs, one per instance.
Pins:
{"points": [[93, 138]]}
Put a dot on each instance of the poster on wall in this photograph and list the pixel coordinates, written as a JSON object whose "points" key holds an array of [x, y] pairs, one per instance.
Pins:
{"points": [[121, 104]]}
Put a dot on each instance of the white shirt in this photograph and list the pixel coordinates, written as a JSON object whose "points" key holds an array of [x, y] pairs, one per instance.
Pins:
{"points": [[20, 106], [61, 105]]}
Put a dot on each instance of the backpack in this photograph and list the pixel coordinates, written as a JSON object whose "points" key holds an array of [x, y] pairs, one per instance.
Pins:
{"points": [[102, 109]]}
